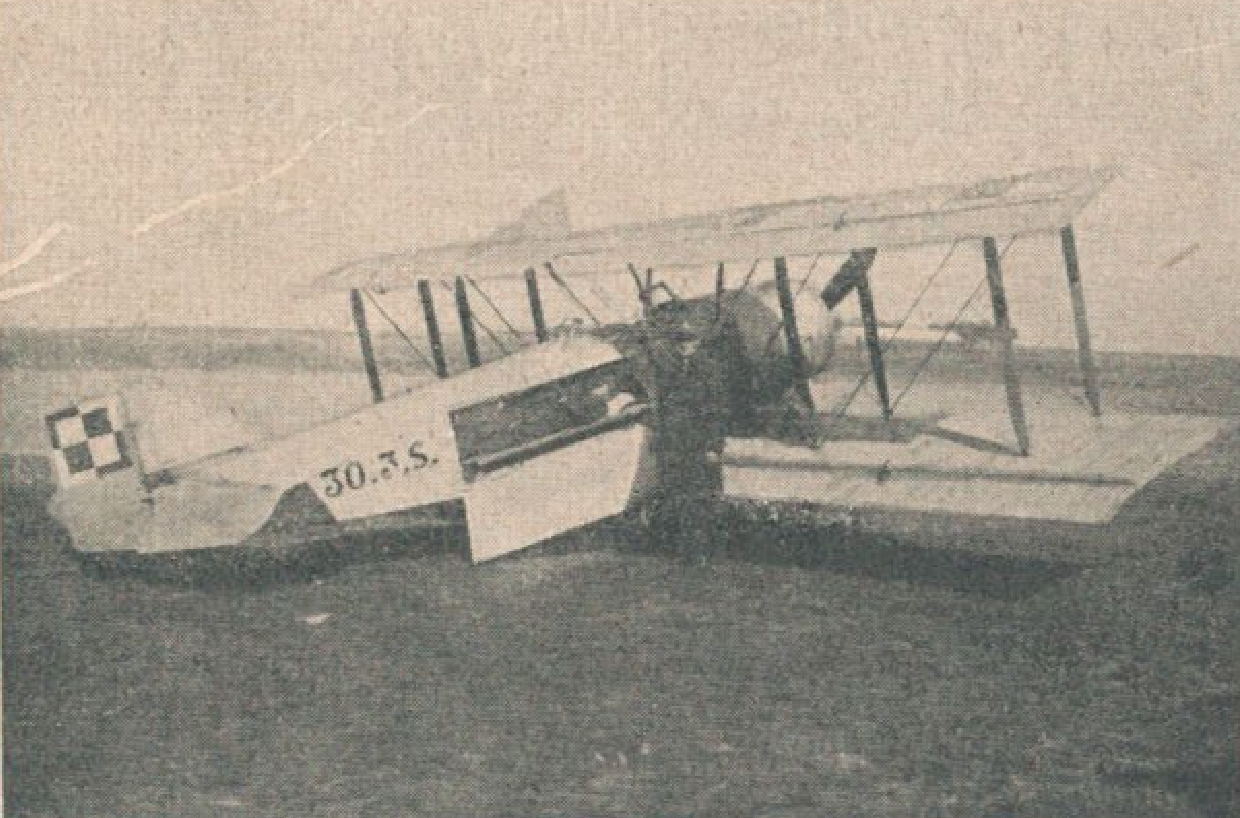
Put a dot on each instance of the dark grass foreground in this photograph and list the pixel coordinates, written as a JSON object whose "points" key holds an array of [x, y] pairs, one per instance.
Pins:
{"points": [[790, 674]]}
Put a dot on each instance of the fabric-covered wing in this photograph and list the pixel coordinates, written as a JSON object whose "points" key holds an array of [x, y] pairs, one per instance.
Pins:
{"points": [[1015, 205]]}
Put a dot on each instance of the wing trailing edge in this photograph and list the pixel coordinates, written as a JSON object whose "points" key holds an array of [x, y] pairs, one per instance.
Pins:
{"points": [[1018, 205]]}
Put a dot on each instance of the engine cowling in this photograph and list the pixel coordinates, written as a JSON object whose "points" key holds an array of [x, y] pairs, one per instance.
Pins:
{"points": [[744, 340], [817, 326]]}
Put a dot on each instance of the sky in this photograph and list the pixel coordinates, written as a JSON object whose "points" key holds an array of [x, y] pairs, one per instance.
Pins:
{"points": [[192, 163]]}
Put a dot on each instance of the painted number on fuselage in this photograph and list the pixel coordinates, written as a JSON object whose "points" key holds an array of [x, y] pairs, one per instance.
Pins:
{"points": [[390, 465]]}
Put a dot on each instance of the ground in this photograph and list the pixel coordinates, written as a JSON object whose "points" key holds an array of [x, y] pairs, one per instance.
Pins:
{"points": [[794, 673]]}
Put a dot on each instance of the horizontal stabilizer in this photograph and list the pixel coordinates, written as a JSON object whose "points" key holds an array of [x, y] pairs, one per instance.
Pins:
{"points": [[188, 514], [173, 428]]}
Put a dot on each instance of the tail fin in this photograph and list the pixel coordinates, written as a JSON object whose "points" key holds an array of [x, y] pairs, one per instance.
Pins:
{"points": [[119, 493], [92, 441], [546, 218]]}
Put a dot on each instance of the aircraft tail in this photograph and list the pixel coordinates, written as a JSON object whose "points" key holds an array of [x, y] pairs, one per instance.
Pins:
{"points": [[546, 218], [92, 441], [100, 479], [119, 493]]}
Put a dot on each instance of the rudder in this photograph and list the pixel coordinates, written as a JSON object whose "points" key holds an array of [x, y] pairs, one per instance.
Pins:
{"points": [[91, 441]]}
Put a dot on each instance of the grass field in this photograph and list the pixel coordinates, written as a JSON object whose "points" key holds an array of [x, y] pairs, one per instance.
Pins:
{"points": [[794, 673]]}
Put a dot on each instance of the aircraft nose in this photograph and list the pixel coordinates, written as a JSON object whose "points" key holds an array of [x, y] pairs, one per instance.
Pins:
{"points": [[819, 329], [761, 328]]}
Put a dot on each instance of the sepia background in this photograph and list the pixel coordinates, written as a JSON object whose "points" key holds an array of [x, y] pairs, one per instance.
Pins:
{"points": [[200, 156], [174, 174]]}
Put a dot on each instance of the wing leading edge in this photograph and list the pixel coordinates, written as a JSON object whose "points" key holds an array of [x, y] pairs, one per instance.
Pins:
{"points": [[1011, 206]]}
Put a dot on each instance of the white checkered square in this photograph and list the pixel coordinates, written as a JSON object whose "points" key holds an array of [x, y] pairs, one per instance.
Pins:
{"points": [[88, 441], [105, 450], [69, 431]]}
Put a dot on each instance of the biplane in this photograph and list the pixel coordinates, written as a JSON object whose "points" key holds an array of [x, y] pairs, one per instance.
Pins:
{"points": [[702, 400]]}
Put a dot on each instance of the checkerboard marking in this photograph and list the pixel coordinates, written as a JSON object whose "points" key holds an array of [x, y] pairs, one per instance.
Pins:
{"points": [[88, 442]]}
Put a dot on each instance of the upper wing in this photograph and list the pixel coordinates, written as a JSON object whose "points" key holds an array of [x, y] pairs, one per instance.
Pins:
{"points": [[1011, 206]]}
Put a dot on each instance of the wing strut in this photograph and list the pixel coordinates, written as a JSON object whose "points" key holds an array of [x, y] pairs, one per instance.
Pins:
{"points": [[1085, 352], [468, 335], [792, 337], [363, 340], [536, 307], [432, 328], [1011, 378], [869, 320], [854, 274]]}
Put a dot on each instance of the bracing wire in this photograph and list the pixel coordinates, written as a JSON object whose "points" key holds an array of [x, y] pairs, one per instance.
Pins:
{"points": [[399, 330], [925, 288], [562, 284], [473, 316], [749, 275], [601, 294], [490, 334], [487, 299], [938, 345]]}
